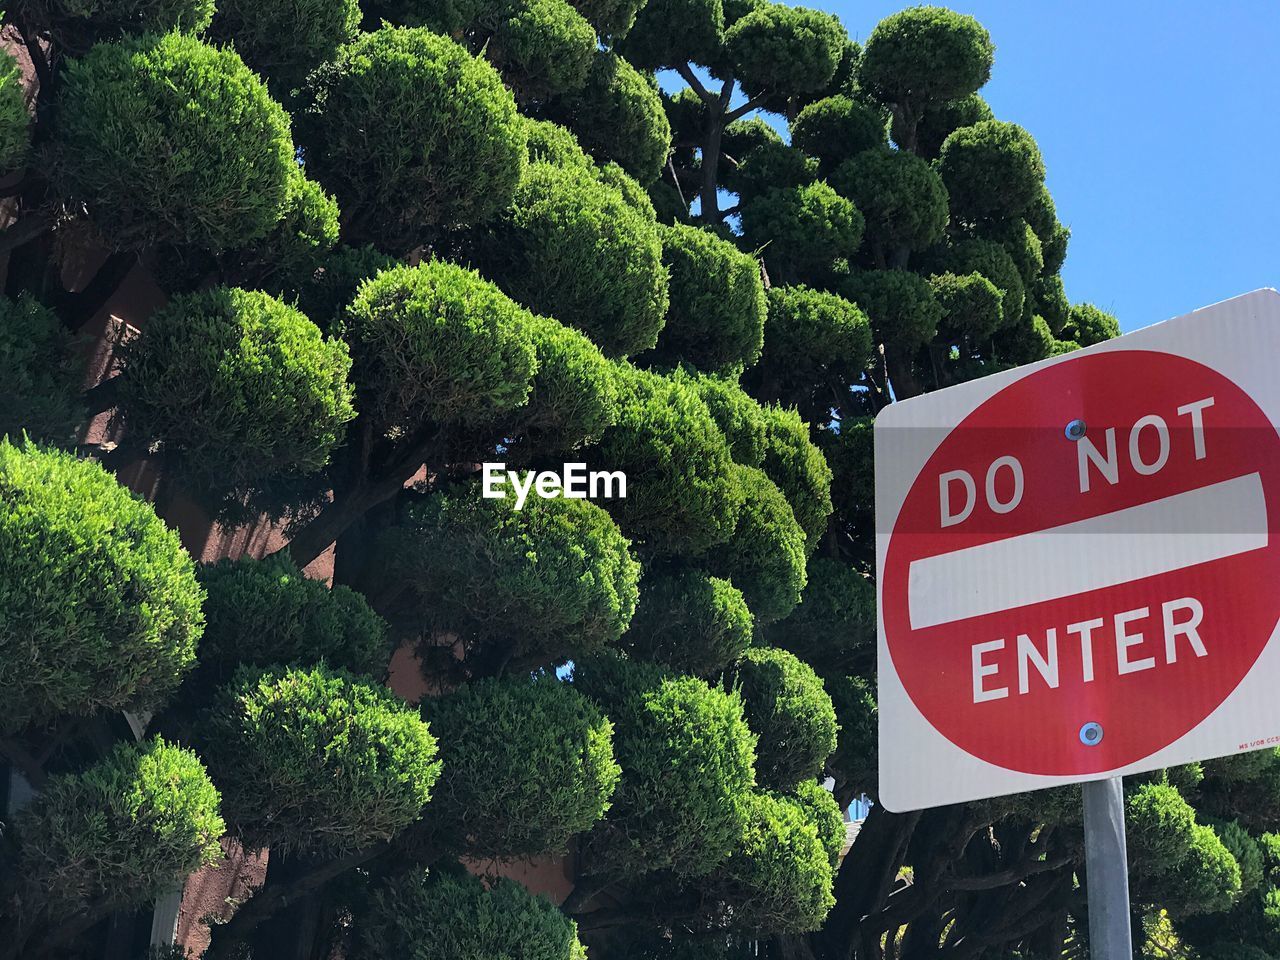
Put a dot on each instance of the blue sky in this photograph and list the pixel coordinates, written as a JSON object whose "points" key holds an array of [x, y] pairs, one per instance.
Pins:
{"points": [[1160, 130]]}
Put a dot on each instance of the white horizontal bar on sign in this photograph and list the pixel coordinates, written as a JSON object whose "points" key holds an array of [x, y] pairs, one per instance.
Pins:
{"points": [[1186, 529]]}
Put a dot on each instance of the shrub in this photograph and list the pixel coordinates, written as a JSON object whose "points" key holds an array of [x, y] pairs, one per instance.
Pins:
{"points": [[316, 762], [453, 916], [683, 497], [900, 305], [788, 709], [40, 373], [15, 139], [121, 831], [555, 578], [923, 55], [689, 621], [787, 51], [902, 198], [284, 40], [238, 387], [413, 134], [716, 317], [169, 140], [835, 624], [528, 764], [264, 612], [543, 48], [438, 343], [992, 170], [573, 248], [99, 605], [811, 337], [686, 756]]}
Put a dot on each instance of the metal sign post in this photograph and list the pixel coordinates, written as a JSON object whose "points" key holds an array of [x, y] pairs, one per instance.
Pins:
{"points": [[1107, 870]]}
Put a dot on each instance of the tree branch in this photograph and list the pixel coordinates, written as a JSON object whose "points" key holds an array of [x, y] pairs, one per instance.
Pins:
{"points": [[752, 104], [691, 78]]}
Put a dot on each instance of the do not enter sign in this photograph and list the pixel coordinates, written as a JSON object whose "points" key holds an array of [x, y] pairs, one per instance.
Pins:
{"points": [[1076, 568]]}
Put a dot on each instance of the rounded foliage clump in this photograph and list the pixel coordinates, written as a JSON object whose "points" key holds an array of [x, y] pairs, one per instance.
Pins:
{"points": [[834, 627], [40, 374], [940, 119], [739, 416], [689, 621], [15, 139], [611, 18], [542, 48], [992, 170], [553, 579], [573, 248], [438, 343], [901, 197], [786, 51], [717, 312], [316, 762], [1087, 325], [687, 760], [921, 55], [802, 231], [551, 143], [237, 386], [169, 140], [1049, 299], [412, 133], [993, 261], [824, 813], [287, 258], [855, 762], [76, 25], [811, 337], [264, 612], [670, 33], [450, 915], [779, 877], [284, 40], [99, 604], [528, 764], [618, 115], [797, 466], [850, 454], [971, 305], [120, 832], [324, 296], [836, 128], [771, 165], [573, 398], [682, 496], [788, 709], [900, 305]]}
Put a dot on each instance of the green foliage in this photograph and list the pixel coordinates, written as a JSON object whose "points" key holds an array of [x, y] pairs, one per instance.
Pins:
{"points": [[287, 258], [40, 374], [993, 261], [782, 50], [683, 496], [99, 605], [1247, 852], [553, 579], [1049, 298], [573, 248], [636, 196], [690, 622], [316, 762], [850, 454], [855, 762], [771, 165], [717, 312], [76, 25], [797, 466], [941, 119], [120, 832], [438, 343], [542, 48], [923, 55], [284, 40], [802, 230], [1087, 325], [618, 115], [901, 196], [788, 709], [741, 136], [738, 415], [412, 134], [573, 398], [779, 877], [611, 18], [238, 387], [669, 33], [449, 17], [449, 915], [900, 305], [687, 760], [824, 813], [834, 627], [528, 763], [971, 305], [168, 140], [324, 296], [835, 129], [811, 337], [15, 139], [551, 143], [264, 612], [993, 170]]}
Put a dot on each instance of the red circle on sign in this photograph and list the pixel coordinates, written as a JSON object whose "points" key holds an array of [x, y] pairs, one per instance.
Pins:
{"points": [[1144, 693]]}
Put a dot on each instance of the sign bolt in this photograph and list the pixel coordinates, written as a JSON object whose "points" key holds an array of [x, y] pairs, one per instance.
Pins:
{"points": [[1074, 430], [1091, 734]]}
